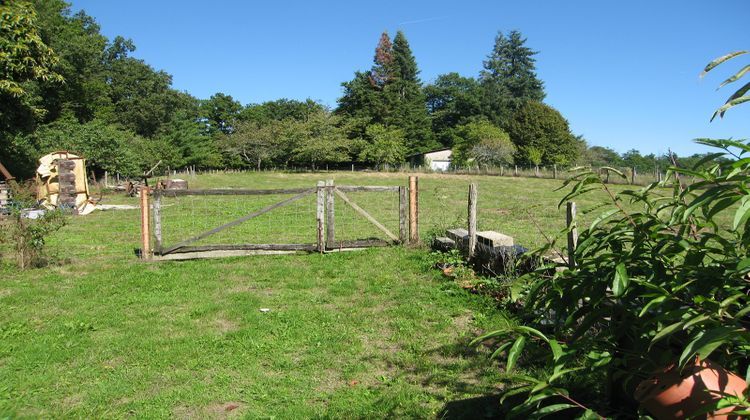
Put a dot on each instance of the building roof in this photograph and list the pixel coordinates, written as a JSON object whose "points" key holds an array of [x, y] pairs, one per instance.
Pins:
{"points": [[430, 151]]}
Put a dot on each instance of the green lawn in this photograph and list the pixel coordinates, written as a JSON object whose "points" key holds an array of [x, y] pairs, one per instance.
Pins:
{"points": [[370, 333]]}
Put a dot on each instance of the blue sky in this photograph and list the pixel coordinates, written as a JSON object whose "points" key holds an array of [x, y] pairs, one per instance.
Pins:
{"points": [[624, 73]]}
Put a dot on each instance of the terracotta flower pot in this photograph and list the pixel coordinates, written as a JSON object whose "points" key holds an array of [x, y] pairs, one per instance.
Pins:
{"points": [[671, 395]]}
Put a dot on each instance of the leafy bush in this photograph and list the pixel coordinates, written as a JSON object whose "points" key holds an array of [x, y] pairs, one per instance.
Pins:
{"points": [[662, 277], [28, 237]]}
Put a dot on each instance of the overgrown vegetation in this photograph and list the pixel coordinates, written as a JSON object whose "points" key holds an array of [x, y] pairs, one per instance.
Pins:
{"points": [[660, 278], [28, 237]]}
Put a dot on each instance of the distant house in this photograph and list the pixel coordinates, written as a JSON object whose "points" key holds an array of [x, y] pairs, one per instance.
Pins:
{"points": [[437, 160]]}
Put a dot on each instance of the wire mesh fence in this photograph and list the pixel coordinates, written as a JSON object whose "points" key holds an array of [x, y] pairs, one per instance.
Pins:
{"points": [[185, 217], [306, 218]]}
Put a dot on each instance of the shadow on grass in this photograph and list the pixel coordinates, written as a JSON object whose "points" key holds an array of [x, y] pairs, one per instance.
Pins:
{"points": [[456, 370], [487, 407]]}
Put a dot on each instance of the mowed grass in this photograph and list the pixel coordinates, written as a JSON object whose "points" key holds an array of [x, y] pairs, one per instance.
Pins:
{"points": [[368, 334]]}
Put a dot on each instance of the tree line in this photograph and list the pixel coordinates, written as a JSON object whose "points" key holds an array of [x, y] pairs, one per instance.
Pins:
{"points": [[65, 86]]}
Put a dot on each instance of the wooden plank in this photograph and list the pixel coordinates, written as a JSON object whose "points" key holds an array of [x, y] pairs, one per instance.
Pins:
{"points": [[320, 216], [177, 193], [330, 215], [572, 233], [362, 243], [236, 222], [349, 188], [157, 224], [6, 174], [218, 254], [403, 216], [472, 219], [247, 247], [366, 215], [413, 210]]}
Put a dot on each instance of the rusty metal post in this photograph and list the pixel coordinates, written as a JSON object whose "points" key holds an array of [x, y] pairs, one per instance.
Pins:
{"points": [[413, 210], [145, 227]]}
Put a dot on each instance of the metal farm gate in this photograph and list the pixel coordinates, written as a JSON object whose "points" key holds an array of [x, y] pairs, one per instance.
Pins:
{"points": [[189, 224]]}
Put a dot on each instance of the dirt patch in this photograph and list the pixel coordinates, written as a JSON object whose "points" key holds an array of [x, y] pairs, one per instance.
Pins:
{"points": [[113, 363], [72, 401], [499, 212], [224, 325], [225, 410], [249, 288], [463, 321], [329, 381]]}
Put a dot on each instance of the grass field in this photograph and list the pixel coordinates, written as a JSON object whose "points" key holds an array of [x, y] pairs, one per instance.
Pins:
{"points": [[363, 334]]}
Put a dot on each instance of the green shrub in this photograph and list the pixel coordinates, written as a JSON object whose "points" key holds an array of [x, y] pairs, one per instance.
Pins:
{"points": [[27, 237], [666, 282]]}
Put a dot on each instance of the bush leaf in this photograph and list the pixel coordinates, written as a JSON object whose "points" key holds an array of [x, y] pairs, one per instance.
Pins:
{"points": [[515, 352], [621, 281]]}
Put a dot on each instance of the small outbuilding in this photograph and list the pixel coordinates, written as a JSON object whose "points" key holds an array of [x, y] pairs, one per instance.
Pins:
{"points": [[437, 160]]}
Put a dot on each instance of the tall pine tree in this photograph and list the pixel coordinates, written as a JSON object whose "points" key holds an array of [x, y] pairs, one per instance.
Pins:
{"points": [[407, 99], [389, 94], [509, 78]]}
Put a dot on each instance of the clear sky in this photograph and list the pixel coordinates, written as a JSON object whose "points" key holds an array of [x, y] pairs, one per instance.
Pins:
{"points": [[624, 73]]}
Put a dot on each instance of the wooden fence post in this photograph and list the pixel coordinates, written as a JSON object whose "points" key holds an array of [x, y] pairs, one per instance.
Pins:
{"points": [[472, 218], [572, 234], [502, 168], [320, 215], [554, 171], [330, 215], [145, 228], [515, 170], [157, 223], [413, 210], [403, 216], [632, 175]]}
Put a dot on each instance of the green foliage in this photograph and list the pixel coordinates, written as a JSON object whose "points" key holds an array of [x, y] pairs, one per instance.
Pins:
{"points": [[80, 47], [258, 143], [23, 54], [279, 110], [185, 142], [142, 98], [740, 95], [451, 101], [389, 94], [28, 237], [509, 78], [660, 278], [220, 112], [384, 146], [106, 147], [536, 126], [598, 156], [318, 140], [480, 143]]}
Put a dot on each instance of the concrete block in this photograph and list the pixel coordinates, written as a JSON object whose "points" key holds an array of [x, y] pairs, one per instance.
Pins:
{"points": [[460, 236], [444, 244], [494, 239]]}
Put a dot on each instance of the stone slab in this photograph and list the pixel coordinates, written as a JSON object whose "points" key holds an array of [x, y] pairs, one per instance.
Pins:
{"points": [[494, 239]]}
